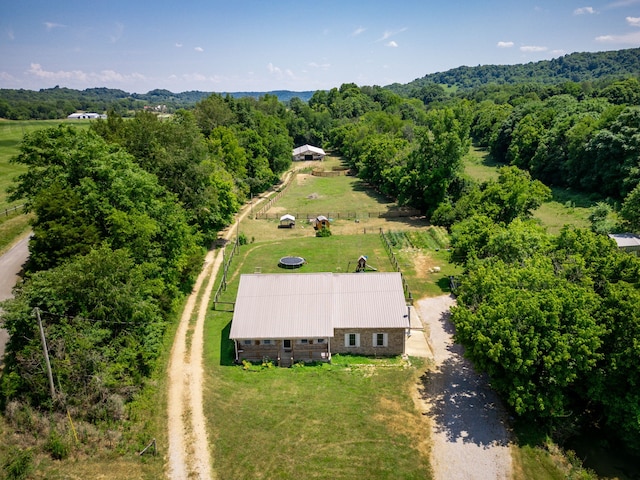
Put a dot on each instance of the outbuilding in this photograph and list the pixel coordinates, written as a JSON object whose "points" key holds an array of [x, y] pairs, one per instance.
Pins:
{"points": [[287, 221], [86, 115], [629, 242], [308, 152], [306, 317], [321, 222]]}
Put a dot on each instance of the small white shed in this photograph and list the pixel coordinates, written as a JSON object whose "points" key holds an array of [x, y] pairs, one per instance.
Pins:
{"points": [[287, 221]]}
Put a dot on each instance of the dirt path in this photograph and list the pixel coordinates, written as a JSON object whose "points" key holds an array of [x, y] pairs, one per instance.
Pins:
{"points": [[468, 427], [189, 455]]}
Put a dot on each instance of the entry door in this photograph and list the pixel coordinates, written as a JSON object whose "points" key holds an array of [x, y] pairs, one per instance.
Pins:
{"points": [[286, 344]]}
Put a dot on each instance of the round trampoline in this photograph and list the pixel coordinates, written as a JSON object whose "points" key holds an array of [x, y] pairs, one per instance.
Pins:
{"points": [[291, 262]]}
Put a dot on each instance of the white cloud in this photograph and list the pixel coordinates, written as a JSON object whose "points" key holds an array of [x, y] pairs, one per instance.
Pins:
{"points": [[584, 11], [390, 33], [532, 48], [273, 69], [117, 33], [391, 44], [633, 21], [629, 38], [504, 44], [94, 78], [11, 35], [358, 31], [199, 49], [179, 45], [51, 25], [319, 65]]}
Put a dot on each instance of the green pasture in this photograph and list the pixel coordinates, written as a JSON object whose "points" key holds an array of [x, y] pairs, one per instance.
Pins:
{"points": [[331, 195], [14, 223], [566, 207], [353, 418]]}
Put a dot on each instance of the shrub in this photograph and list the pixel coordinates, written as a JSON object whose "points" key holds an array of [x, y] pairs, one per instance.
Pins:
{"points": [[323, 232], [18, 463]]}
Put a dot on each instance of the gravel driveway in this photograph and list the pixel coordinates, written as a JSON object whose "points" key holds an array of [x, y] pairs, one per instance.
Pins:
{"points": [[469, 429]]}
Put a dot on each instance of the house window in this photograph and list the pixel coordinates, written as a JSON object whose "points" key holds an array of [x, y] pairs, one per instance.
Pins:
{"points": [[352, 339], [321, 340], [266, 342], [303, 341], [247, 342], [379, 340]]}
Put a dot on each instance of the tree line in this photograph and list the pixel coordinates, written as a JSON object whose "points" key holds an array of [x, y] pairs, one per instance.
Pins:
{"points": [[124, 210]]}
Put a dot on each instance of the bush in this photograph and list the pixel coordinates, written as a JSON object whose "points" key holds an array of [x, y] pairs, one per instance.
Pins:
{"points": [[57, 446], [18, 463], [323, 232]]}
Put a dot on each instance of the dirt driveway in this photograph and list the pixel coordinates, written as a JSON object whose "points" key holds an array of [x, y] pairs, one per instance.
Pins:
{"points": [[469, 431]]}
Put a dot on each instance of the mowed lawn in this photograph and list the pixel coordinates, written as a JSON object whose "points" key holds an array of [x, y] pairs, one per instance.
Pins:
{"points": [[354, 418]]}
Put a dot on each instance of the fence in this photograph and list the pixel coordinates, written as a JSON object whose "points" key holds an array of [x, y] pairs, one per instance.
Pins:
{"points": [[223, 282], [399, 213], [7, 211], [275, 198], [396, 266]]}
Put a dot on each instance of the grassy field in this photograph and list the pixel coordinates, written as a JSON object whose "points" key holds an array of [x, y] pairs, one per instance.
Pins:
{"points": [[354, 418], [13, 223], [566, 207]]}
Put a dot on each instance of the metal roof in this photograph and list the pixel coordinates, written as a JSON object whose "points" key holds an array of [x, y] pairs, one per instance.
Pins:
{"points": [[310, 305], [308, 148], [627, 241]]}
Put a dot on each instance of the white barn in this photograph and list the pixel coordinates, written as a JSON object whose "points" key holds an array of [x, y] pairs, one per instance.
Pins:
{"points": [[86, 115], [308, 152]]}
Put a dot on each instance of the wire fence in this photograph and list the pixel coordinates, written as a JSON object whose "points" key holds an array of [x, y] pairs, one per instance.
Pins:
{"points": [[223, 282], [353, 215], [394, 261]]}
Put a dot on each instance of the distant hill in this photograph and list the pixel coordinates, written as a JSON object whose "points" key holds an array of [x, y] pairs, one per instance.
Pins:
{"points": [[58, 102], [575, 67]]}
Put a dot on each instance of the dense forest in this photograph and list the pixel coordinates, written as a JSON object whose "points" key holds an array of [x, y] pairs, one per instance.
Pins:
{"points": [[123, 212]]}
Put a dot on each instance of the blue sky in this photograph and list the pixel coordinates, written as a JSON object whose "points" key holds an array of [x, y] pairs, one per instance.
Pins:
{"points": [[260, 45]]}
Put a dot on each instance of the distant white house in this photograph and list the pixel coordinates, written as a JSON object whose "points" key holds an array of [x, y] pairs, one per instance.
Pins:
{"points": [[308, 152], [86, 115]]}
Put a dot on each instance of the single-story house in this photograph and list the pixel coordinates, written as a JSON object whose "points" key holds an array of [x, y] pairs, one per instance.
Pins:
{"points": [[83, 115], [321, 222], [307, 317], [308, 152], [629, 242], [287, 221]]}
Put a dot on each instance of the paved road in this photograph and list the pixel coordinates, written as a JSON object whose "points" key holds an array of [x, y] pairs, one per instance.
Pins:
{"points": [[10, 265]]}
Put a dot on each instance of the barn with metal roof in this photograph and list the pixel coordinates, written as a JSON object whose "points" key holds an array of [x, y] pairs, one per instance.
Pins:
{"points": [[308, 152]]}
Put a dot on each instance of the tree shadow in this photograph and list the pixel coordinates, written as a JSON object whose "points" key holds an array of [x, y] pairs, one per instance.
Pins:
{"points": [[460, 401]]}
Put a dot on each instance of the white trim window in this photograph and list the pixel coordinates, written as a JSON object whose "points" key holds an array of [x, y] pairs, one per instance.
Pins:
{"points": [[380, 340], [303, 341], [247, 342], [267, 342], [352, 340]]}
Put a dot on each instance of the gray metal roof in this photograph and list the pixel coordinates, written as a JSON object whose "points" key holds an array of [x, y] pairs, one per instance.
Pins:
{"points": [[627, 241], [308, 148], [310, 305]]}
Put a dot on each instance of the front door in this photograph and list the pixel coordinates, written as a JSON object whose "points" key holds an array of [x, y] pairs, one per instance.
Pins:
{"points": [[286, 344]]}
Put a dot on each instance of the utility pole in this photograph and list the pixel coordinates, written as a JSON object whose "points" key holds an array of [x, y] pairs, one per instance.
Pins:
{"points": [[46, 353]]}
